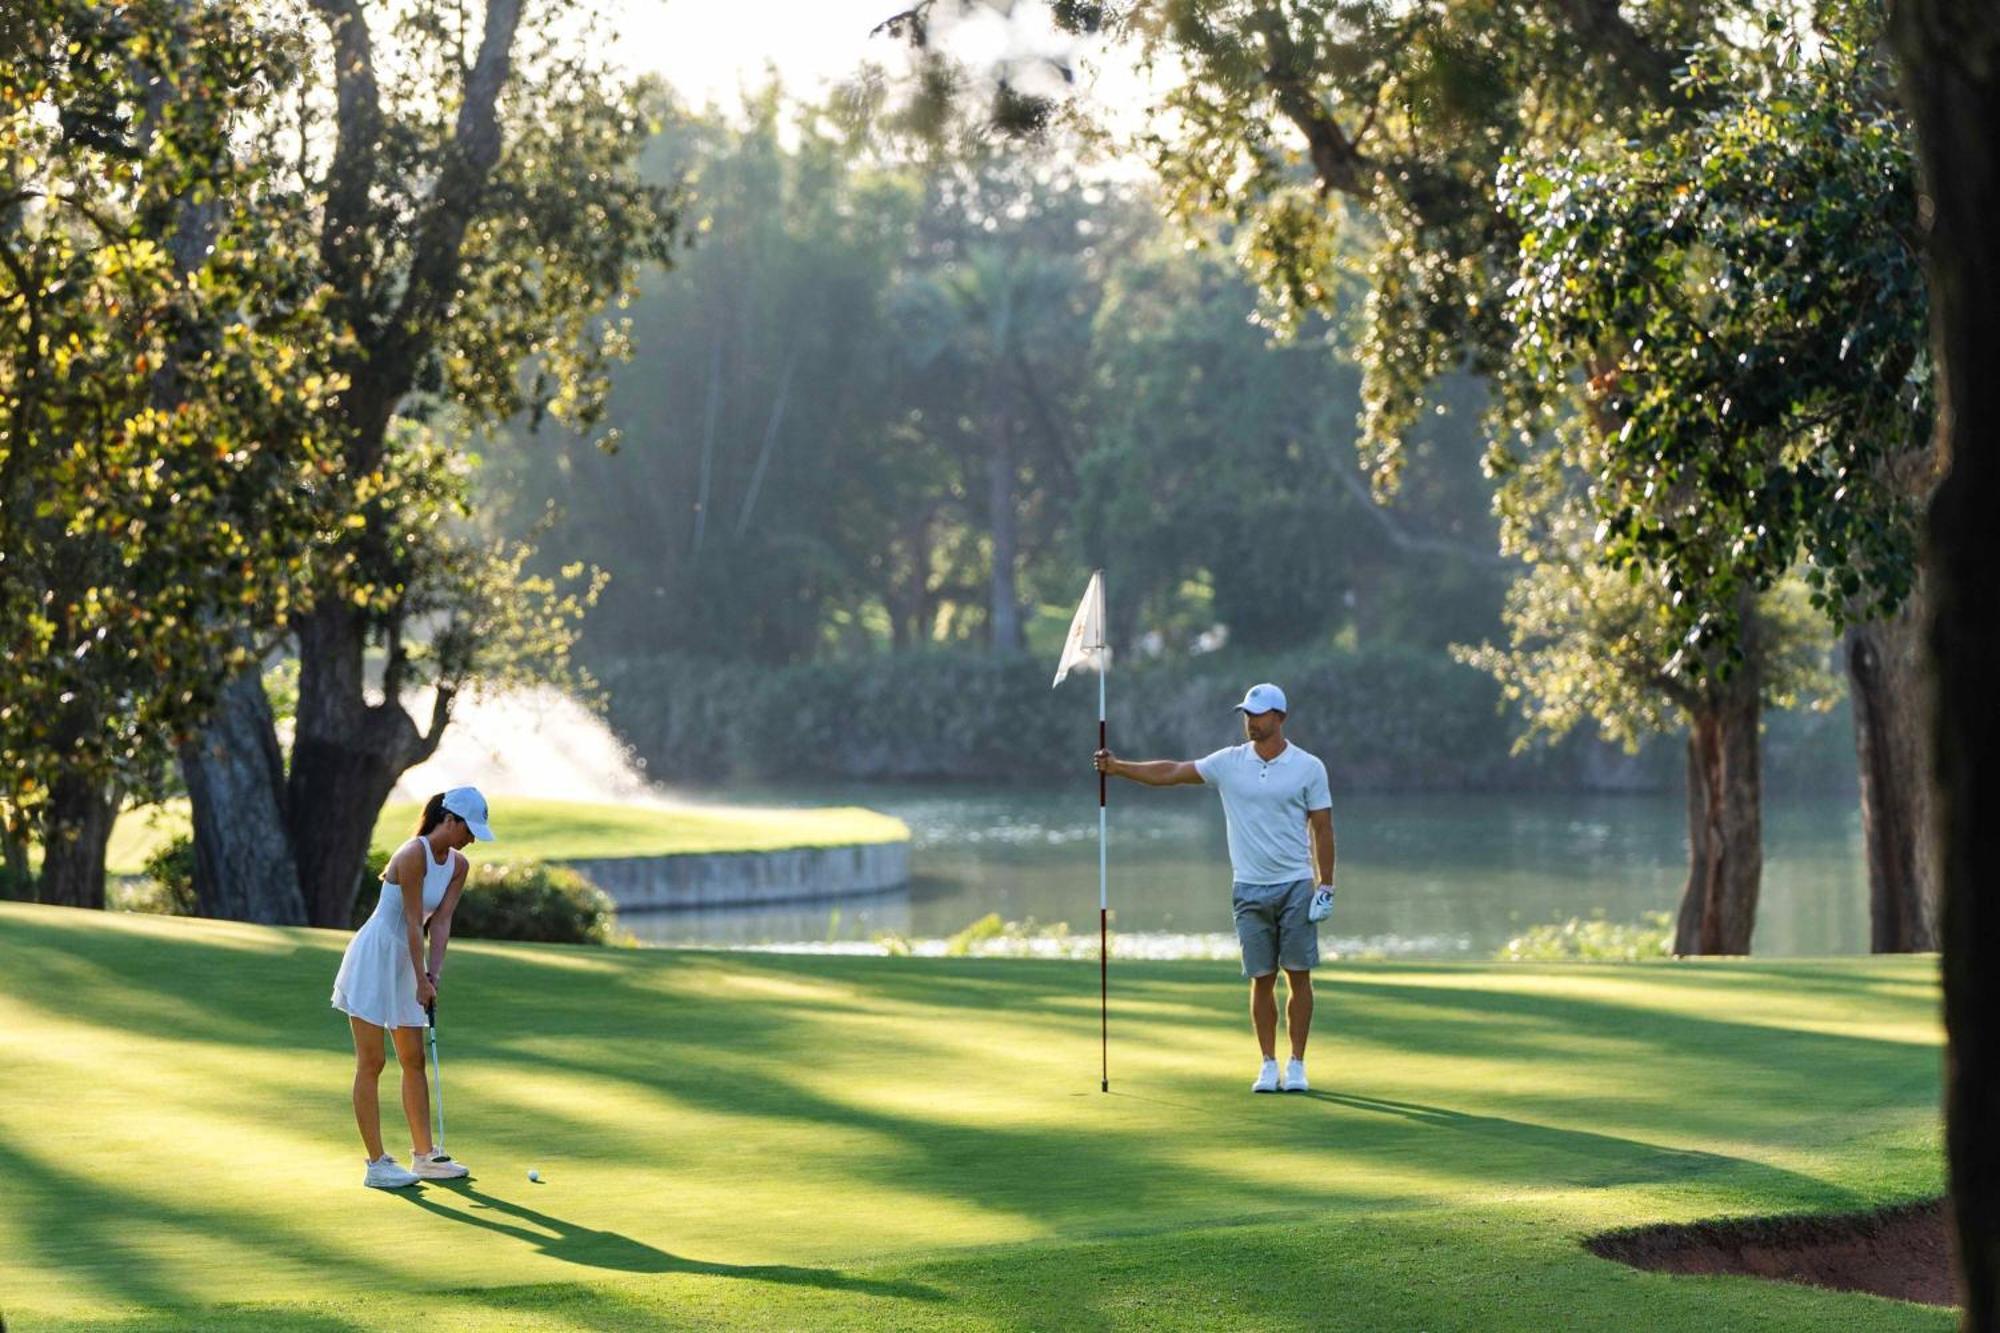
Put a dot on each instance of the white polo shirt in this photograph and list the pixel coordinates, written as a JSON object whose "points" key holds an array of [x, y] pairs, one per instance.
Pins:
{"points": [[1265, 805]]}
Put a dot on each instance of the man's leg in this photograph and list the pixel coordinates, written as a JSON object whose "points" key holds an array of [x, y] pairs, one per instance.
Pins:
{"points": [[1264, 1013], [1298, 1011], [1298, 954]]}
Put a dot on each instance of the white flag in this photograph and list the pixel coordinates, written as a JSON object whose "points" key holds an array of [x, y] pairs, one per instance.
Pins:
{"points": [[1085, 646]]}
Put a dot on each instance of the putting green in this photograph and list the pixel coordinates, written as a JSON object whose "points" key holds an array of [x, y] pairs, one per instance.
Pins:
{"points": [[782, 1141], [540, 830]]}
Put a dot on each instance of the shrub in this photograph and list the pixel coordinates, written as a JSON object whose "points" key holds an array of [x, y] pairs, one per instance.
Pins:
{"points": [[988, 927], [168, 888], [531, 900], [1383, 718], [1594, 941]]}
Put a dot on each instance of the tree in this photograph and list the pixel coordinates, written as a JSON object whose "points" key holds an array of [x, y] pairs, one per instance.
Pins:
{"points": [[1740, 305], [768, 479], [1223, 458], [475, 209], [164, 484], [997, 316], [1295, 121], [1589, 642], [1951, 80]]}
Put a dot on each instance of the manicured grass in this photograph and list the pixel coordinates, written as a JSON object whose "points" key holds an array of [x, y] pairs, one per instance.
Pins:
{"points": [[791, 1142], [569, 830]]}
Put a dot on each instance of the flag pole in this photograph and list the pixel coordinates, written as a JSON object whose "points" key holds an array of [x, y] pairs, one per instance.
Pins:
{"points": [[1085, 646], [1103, 891]]}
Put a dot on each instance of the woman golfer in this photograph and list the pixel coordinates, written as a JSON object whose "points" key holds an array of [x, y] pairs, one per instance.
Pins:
{"points": [[385, 981]]}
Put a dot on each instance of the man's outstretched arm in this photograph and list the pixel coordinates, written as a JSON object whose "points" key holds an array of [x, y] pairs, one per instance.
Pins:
{"points": [[1150, 772]]}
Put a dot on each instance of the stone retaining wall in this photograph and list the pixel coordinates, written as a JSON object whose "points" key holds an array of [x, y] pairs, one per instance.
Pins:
{"points": [[735, 879]]}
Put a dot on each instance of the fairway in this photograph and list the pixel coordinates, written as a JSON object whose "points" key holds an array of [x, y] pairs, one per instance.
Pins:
{"points": [[734, 1139]]}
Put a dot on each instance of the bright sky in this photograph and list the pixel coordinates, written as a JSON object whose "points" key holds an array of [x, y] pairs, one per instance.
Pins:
{"points": [[710, 49]]}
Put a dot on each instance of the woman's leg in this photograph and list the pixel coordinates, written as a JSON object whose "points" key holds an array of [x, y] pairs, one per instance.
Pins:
{"points": [[368, 1062], [416, 1087]]}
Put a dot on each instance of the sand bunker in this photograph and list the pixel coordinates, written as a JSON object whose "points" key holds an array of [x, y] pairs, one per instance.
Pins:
{"points": [[1902, 1252]]}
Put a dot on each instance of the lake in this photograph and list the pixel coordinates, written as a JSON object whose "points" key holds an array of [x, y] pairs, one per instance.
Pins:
{"points": [[1421, 876]]}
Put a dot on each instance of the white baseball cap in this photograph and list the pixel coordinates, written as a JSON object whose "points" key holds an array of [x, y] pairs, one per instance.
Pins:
{"points": [[469, 805], [1263, 698]]}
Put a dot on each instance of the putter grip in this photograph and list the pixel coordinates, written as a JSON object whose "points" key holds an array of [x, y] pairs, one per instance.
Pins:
{"points": [[431, 1012]]}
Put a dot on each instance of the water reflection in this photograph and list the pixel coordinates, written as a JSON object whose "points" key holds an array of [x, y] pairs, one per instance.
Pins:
{"points": [[1421, 875]]}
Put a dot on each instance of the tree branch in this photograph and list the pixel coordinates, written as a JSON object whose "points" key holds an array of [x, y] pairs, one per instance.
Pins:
{"points": [[1642, 67], [469, 162], [441, 700], [1338, 164], [346, 232]]}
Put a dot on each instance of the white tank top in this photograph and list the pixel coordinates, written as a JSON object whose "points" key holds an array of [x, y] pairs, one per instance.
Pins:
{"points": [[437, 878]]}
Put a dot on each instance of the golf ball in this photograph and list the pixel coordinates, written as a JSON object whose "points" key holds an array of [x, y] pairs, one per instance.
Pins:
{"points": [[535, 1176]]}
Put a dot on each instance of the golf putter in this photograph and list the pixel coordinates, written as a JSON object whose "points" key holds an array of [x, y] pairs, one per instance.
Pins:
{"points": [[437, 1077]]}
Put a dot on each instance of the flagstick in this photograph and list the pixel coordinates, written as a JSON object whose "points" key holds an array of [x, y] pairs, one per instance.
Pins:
{"points": [[1103, 907]]}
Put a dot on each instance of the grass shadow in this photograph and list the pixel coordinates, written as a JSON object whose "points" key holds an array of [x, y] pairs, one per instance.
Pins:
{"points": [[591, 1247], [1635, 1162]]}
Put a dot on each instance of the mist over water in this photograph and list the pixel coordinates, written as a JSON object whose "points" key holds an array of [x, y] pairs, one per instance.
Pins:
{"points": [[540, 742]]}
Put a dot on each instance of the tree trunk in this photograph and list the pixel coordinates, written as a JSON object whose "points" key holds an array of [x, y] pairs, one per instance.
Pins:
{"points": [[1951, 83], [75, 831], [14, 876], [1885, 670], [244, 869], [1004, 521], [346, 757], [1725, 822]]}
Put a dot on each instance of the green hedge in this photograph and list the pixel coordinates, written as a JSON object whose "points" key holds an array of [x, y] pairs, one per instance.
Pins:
{"points": [[1387, 719]]}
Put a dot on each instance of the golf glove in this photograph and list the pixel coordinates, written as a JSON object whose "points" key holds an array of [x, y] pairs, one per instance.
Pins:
{"points": [[1322, 904]]}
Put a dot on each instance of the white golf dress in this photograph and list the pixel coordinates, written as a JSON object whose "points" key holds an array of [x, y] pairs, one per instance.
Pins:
{"points": [[376, 983]]}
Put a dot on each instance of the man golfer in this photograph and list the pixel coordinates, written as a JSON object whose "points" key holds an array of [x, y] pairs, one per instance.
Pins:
{"points": [[1272, 794]]}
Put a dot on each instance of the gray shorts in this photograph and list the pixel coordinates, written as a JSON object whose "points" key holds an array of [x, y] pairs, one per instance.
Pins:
{"points": [[1271, 926]]}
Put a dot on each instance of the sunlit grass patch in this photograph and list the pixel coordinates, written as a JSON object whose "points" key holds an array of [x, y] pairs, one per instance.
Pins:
{"points": [[739, 1139]]}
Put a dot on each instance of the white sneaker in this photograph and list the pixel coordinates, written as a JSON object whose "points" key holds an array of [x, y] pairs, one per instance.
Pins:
{"points": [[1295, 1077], [436, 1166], [1267, 1078], [384, 1174]]}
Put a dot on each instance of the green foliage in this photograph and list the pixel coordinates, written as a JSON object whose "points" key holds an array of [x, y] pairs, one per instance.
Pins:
{"points": [[1297, 124], [531, 900], [166, 476], [1182, 370], [986, 928], [170, 879], [1592, 941], [1382, 718], [1589, 642], [1726, 326], [260, 262], [808, 444]]}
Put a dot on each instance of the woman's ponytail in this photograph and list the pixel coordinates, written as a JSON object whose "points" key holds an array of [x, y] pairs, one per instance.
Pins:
{"points": [[434, 813]]}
